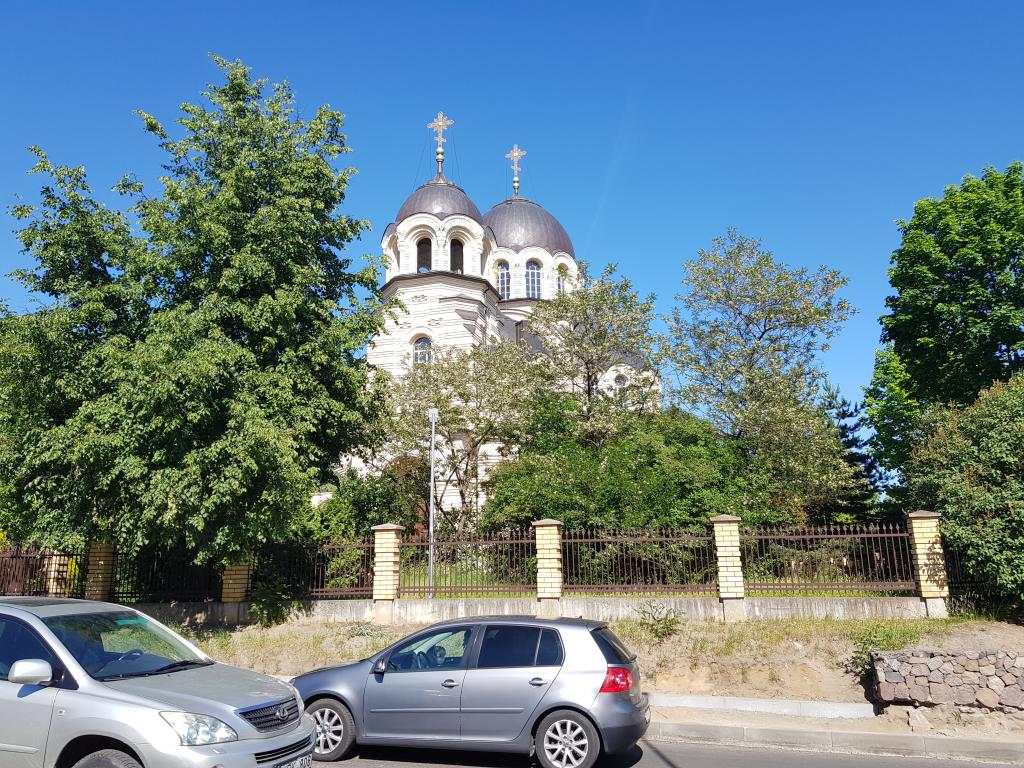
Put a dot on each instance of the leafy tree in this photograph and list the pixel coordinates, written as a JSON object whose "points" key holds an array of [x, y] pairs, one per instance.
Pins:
{"points": [[484, 397], [663, 469], [603, 322], [956, 319], [970, 467], [747, 319], [196, 373]]}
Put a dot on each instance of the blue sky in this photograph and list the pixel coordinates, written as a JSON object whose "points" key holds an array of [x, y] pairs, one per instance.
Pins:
{"points": [[651, 126]]}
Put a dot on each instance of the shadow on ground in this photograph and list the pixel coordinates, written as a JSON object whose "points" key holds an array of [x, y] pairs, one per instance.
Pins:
{"points": [[460, 759]]}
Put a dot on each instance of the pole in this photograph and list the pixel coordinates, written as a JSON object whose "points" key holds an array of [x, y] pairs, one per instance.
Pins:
{"points": [[432, 415]]}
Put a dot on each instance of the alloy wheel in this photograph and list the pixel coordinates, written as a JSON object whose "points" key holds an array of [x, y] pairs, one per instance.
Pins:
{"points": [[330, 730], [566, 744]]}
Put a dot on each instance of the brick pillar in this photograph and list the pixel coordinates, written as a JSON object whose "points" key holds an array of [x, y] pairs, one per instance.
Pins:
{"points": [[730, 567], [234, 586], [548, 534], [55, 569], [929, 561], [99, 575], [387, 548]]}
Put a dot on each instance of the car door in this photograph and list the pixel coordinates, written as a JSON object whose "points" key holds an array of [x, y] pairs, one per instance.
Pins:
{"points": [[25, 710], [418, 695], [514, 669]]}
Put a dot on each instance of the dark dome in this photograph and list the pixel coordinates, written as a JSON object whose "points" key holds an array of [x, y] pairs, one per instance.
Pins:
{"points": [[518, 223], [441, 198]]}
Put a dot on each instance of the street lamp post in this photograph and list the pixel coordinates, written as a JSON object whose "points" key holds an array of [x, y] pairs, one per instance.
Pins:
{"points": [[432, 415]]}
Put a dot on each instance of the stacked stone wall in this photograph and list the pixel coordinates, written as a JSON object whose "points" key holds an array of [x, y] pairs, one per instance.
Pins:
{"points": [[985, 679]]}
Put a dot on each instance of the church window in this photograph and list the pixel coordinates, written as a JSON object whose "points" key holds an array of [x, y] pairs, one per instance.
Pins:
{"points": [[532, 280], [421, 350], [504, 280], [561, 275], [423, 255], [457, 256], [620, 383]]}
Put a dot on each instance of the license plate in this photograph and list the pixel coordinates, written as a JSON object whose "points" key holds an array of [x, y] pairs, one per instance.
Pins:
{"points": [[303, 761]]}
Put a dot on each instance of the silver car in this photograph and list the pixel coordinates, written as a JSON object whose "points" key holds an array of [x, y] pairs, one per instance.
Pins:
{"points": [[97, 685], [567, 689]]}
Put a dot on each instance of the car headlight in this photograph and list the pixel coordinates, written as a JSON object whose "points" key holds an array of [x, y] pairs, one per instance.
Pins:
{"points": [[197, 730]]}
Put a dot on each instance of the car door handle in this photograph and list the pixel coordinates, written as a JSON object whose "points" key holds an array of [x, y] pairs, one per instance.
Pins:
{"points": [[538, 681], [449, 683]]}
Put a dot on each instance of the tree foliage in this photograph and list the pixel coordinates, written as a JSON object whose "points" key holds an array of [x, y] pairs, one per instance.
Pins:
{"points": [[196, 372], [970, 467]]}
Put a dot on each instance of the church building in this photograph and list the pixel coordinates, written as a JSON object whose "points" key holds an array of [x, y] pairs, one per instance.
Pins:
{"points": [[466, 278]]}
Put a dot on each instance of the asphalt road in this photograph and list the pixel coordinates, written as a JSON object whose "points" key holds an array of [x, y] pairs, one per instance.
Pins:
{"points": [[647, 754]]}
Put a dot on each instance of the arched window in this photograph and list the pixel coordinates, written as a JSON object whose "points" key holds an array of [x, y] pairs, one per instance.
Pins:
{"points": [[423, 255], [532, 280], [561, 276], [504, 280], [620, 383], [421, 350], [457, 256]]}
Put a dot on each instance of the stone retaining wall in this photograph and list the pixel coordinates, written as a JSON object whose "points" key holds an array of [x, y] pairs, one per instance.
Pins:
{"points": [[986, 679]]}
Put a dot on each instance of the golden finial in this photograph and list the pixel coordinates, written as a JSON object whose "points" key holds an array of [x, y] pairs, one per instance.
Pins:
{"points": [[439, 125], [514, 156]]}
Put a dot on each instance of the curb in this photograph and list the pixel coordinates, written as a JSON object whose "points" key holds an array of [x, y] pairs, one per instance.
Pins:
{"points": [[821, 709], [849, 742]]}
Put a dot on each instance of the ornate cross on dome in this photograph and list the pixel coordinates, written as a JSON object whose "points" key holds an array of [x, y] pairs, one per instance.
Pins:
{"points": [[439, 125], [514, 156]]}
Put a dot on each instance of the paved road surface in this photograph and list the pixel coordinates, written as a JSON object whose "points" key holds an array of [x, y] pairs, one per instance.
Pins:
{"points": [[648, 754]]}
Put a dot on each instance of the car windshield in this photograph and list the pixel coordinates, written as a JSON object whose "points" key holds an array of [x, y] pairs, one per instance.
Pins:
{"points": [[118, 644]]}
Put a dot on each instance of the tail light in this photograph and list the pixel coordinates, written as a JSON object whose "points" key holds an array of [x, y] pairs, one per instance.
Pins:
{"points": [[617, 680]]}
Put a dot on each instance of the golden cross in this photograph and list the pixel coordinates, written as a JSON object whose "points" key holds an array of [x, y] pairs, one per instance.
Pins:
{"points": [[439, 125], [514, 156]]}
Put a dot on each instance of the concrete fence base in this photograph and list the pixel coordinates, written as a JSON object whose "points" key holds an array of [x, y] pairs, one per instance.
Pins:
{"points": [[422, 611]]}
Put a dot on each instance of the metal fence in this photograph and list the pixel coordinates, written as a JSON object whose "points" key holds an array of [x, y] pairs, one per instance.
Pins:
{"points": [[966, 590], [828, 560], [502, 564], [37, 572], [163, 576], [342, 569], [650, 561]]}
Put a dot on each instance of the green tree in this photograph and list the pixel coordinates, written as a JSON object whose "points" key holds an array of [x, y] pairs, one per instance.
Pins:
{"points": [[603, 323], [956, 319], [195, 376], [970, 467]]}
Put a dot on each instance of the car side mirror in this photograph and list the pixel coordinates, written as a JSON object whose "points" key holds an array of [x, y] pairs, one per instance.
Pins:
{"points": [[30, 672], [380, 667]]}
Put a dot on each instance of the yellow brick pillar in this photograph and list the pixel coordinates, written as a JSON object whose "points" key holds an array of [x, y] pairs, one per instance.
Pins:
{"points": [[234, 590], [929, 561], [731, 592], [548, 535], [99, 575], [387, 550]]}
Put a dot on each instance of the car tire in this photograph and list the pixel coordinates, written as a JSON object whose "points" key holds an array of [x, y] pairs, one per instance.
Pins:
{"points": [[566, 739], [335, 730], [108, 758]]}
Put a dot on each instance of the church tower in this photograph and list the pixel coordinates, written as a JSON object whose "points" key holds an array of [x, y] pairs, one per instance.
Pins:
{"points": [[465, 278]]}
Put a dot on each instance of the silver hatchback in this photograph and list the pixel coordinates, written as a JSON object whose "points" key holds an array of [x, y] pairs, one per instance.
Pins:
{"points": [[97, 685], [567, 689]]}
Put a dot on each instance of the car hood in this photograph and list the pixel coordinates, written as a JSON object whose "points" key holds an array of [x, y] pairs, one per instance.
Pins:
{"points": [[216, 690]]}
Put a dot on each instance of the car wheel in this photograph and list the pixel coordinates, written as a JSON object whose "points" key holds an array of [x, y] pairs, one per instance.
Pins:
{"points": [[108, 758], [335, 729], [566, 739]]}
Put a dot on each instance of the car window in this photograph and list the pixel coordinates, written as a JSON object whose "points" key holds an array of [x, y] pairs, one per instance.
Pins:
{"points": [[615, 652], [18, 642], [508, 645], [549, 652], [444, 649]]}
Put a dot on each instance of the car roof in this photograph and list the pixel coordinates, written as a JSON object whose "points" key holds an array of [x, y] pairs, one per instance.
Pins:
{"points": [[504, 619], [57, 606]]}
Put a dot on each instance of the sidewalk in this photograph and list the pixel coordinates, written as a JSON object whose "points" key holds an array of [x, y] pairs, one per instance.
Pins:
{"points": [[713, 724]]}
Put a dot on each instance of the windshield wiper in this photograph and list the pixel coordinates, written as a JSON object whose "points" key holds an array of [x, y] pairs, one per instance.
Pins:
{"points": [[176, 665]]}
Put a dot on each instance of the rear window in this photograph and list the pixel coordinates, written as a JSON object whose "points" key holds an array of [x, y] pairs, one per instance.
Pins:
{"points": [[519, 646], [612, 648]]}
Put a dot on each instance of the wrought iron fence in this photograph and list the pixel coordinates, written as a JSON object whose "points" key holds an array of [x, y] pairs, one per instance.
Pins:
{"points": [[163, 576], [832, 559], [966, 590], [649, 561], [341, 569], [33, 571], [501, 564]]}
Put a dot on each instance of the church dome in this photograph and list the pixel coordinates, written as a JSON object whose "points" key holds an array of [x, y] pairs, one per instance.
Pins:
{"points": [[441, 198], [519, 223]]}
